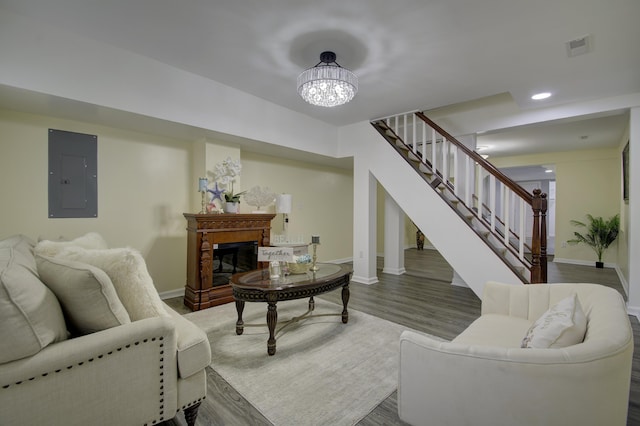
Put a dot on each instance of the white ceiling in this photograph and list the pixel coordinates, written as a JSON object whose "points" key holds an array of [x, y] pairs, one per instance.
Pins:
{"points": [[566, 135], [408, 54]]}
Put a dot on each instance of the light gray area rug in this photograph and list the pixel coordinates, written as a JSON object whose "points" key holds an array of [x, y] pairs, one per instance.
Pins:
{"points": [[324, 372]]}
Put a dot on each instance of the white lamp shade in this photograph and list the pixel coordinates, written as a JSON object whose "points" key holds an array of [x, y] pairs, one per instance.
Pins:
{"points": [[283, 203]]}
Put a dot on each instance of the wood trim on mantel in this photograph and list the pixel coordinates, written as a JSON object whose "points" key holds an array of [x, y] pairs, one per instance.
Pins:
{"points": [[203, 232]]}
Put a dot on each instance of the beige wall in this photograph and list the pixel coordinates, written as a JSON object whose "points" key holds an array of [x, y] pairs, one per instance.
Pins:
{"points": [[146, 183], [141, 190], [322, 200], [586, 182]]}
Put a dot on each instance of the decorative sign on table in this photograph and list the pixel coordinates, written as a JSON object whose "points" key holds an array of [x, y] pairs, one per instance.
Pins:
{"points": [[275, 254]]}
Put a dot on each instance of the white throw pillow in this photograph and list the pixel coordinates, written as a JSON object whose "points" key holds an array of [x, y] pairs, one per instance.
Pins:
{"points": [[50, 248], [87, 295], [128, 273], [30, 315], [564, 324]]}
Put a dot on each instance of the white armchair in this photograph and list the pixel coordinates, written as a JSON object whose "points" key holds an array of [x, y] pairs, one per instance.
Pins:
{"points": [[484, 377]]}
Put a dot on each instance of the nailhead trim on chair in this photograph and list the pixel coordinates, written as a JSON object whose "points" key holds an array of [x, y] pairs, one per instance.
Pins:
{"points": [[161, 399], [184, 407], [100, 356], [69, 367]]}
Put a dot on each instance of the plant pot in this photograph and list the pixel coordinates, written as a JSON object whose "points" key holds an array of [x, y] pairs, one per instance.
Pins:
{"points": [[231, 207], [599, 265]]}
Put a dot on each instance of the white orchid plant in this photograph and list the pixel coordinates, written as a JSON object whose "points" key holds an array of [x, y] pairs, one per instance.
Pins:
{"points": [[225, 174]]}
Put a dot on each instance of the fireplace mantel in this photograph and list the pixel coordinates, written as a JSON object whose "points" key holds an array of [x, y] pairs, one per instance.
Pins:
{"points": [[204, 231]]}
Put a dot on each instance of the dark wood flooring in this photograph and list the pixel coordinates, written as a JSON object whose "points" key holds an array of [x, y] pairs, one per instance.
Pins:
{"points": [[422, 299]]}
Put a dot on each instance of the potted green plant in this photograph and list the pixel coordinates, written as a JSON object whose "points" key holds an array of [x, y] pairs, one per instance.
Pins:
{"points": [[599, 234]]}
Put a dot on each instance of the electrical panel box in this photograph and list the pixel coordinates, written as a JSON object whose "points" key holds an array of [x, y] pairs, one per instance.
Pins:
{"points": [[73, 174]]}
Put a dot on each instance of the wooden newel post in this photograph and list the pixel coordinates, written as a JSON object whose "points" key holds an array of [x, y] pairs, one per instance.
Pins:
{"points": [[536, 206], [543, 237]]}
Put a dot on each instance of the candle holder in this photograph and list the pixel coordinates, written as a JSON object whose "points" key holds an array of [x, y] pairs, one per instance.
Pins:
{"points": [[204, 202], [203, 182], [314, 267]]}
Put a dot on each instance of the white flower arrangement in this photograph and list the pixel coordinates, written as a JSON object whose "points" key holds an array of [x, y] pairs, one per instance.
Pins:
{"points": [[225, 174]]}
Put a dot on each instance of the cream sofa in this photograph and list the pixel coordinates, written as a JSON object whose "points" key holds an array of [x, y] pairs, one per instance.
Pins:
{"points": [[72, 354], [484, 377]]}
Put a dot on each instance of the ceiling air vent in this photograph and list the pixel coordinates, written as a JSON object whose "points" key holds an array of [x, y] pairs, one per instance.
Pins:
{"points": [[578, 46]]}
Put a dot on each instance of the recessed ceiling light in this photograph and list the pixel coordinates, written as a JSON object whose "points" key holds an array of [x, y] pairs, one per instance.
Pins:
{"points": [[540, 96]]}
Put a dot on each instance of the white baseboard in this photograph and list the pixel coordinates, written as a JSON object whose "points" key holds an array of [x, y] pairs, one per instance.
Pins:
{"points": [[582, 262], [458, 281], [345, 260], [623, 281], [634, 310], [394, 271], [364, 280], [171, 294]]}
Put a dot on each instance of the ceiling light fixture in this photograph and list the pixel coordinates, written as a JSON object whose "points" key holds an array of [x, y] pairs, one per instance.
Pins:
{"points": [[540, 96], [327, 84]]}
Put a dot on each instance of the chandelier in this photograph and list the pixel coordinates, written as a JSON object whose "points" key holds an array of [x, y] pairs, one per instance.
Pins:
{"points": [[327, 84]]}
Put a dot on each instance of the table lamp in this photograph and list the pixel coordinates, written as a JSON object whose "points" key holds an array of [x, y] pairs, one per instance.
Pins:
{"points": [[283, 205]]}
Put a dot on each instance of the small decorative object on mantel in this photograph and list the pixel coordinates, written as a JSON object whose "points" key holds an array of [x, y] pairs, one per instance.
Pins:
{"points": [[202, 188], [315, 241], [232, 207], [216, 194], [259, 197], [599, 236]]}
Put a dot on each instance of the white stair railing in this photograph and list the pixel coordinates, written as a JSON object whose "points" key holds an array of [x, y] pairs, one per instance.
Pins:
{"points": [[494, 205]]}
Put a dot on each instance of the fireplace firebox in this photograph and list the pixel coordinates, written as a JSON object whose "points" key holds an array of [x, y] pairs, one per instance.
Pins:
{"points": [[231, 258]]}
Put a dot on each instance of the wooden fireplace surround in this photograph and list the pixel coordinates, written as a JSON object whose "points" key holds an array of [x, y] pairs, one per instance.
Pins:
{"points": [[204, 231]]}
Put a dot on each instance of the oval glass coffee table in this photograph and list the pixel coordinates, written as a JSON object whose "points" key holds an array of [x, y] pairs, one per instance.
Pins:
{"points": [[256, 286]]}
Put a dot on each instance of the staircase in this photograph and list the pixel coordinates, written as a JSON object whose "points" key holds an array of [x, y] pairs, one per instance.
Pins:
{"points": [[487, 202]]}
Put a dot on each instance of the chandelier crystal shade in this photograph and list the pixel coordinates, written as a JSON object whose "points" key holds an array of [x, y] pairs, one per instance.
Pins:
{"points": [[327, 84]]}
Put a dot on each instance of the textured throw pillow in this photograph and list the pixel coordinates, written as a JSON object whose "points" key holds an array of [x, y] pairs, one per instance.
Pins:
{"points": [[91, 240], [87, 295], [564, 324], [128, 273], [30, 315]]}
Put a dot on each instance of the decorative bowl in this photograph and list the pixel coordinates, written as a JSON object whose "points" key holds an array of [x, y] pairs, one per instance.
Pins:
{"points": [[299, 268]]}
